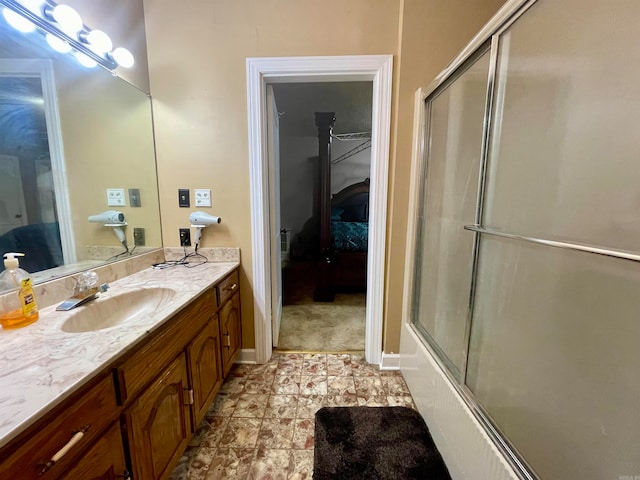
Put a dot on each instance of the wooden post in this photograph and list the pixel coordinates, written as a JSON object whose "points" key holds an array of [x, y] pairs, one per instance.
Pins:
{"points": [[324, 289]]}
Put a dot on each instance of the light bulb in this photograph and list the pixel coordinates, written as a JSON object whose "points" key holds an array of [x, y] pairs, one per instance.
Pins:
{"points": [[57, 44], [17, 21], [34, 5], [123, 57], [69, 20], [98, 41], [85, 60]]}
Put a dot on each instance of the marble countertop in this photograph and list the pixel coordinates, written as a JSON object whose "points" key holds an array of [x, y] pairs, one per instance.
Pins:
{"points": [[40, 365]]}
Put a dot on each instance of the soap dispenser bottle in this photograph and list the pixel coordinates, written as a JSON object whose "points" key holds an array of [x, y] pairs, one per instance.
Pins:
{"points": [[19, 308]]}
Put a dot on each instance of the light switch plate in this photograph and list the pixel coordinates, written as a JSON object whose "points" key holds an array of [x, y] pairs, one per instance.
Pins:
{"points": [[203, 197], [183, 197], [115, 197]]}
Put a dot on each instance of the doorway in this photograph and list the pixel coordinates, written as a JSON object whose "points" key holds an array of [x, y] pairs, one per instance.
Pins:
{"points": [[308, 323], [260, 72]]}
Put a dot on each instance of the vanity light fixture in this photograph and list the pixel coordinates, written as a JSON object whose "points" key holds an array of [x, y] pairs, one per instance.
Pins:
{"points": [[17, 21], [65, 32]]}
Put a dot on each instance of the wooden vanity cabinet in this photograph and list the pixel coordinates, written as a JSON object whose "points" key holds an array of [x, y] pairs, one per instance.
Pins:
{"points": [[91, 410], [230, 332], [158, 423], [105, 460], [205, 368], [148, 408], [227, 292]]}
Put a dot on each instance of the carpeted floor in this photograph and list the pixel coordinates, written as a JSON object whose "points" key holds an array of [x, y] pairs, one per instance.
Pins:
{"points": [[382, 443], [322, 327], [309, 326]]}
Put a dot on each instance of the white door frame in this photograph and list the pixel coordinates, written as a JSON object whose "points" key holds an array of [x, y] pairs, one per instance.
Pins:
{"points": [[260, 71]]}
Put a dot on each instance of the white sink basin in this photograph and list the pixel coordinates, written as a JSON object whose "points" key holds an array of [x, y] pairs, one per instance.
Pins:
{"points": [[111, 310]]}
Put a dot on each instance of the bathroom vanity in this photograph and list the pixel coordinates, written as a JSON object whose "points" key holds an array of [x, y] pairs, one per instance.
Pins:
{"points": [[120, 401]]}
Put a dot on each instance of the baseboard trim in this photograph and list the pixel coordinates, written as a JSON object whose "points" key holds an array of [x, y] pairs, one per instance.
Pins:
{"points": [[390, 361], [247, 355]]}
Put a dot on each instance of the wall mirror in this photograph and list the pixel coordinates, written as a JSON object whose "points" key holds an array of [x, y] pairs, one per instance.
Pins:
{"points": [[67, 135]]}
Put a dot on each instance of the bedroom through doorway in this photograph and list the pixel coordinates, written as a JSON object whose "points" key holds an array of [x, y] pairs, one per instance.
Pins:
{"points": [[323, 164]]}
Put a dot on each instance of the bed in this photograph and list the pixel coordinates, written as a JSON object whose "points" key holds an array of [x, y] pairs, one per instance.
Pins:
{"points": [[343, 224]]}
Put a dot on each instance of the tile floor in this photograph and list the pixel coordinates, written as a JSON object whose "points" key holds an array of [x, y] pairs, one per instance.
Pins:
{"points": [[261, 423]]}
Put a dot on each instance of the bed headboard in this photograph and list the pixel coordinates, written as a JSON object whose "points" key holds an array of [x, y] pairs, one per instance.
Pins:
{"points": [[351, 204]]}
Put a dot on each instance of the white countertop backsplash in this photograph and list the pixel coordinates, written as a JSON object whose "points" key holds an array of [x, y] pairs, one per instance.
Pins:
{"points": [[40, 365]]}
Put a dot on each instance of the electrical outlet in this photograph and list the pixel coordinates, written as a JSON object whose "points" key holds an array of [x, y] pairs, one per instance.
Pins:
{"points": [[203, 197], [115, 197], [138, 237], [185, 237], [183, 197]]}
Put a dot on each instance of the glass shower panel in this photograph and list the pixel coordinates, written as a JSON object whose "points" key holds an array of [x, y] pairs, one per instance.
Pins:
{"points": [[554, 357], [563, 157], [443, 276]]}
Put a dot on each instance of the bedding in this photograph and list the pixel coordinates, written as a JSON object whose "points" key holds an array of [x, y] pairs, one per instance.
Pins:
{"points": [[350, 236]]}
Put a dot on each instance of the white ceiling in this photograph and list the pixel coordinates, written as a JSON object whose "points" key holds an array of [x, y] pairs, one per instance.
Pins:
{"points": [[351, 102]]}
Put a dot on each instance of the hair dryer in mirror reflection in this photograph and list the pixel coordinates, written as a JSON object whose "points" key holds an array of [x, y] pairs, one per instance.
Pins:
{"points": [[115, 219], [200, 220]]}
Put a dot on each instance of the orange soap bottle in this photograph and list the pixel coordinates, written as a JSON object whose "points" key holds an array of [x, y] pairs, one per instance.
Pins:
{"points": [[19, 308]]}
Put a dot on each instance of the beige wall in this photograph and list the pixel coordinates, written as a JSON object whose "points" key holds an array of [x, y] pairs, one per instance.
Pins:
{"points": [[433, 32], [108, 143], [197, 53]]}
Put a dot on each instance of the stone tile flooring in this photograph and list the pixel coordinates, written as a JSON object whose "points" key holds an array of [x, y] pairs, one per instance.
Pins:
{"points": [[261, 423]]}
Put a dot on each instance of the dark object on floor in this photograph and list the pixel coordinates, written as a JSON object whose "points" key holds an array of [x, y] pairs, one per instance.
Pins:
{"points": [[374, 443]]}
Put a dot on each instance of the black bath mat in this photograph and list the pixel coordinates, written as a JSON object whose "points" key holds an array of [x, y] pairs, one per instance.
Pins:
{"points": [[390, 443]]}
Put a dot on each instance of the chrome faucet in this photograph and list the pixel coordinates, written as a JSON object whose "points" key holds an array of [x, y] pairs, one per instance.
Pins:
{"points": [[85, 290]]}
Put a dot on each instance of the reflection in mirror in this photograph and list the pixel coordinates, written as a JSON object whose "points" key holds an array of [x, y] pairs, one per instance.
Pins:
{"points": [[67, 134]]}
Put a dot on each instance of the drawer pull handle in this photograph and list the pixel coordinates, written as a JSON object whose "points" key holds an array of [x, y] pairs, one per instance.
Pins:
{"points": [[232, 287], [77, 436], [227, 340], [125, 475]]}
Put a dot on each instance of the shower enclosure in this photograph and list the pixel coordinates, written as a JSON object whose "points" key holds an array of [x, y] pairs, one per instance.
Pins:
{"points": [[526, 279]]}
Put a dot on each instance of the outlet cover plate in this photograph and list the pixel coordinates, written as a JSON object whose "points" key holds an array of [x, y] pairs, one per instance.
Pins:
{"points": [[185, 237], [138, 237], [203, 197], [115, 197], [134, 197]]}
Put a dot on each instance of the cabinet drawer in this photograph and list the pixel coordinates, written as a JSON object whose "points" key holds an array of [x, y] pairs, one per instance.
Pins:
{"points": [[228, 287], [104, 460], [143, 366], [92, 410]]}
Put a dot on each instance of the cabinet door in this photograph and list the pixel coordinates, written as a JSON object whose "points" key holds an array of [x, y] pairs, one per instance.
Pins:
{"points": [[103, 461], [230, 332], [158, 423], [203, 355]]}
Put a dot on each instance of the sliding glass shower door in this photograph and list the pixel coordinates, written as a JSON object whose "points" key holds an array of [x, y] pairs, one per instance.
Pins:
{"points": [[450, 192], [553, 283]]}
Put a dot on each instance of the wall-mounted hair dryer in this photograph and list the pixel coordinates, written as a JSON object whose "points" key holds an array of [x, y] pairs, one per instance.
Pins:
{"points": [[200, 220], [109, 218], [115, 219]]}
